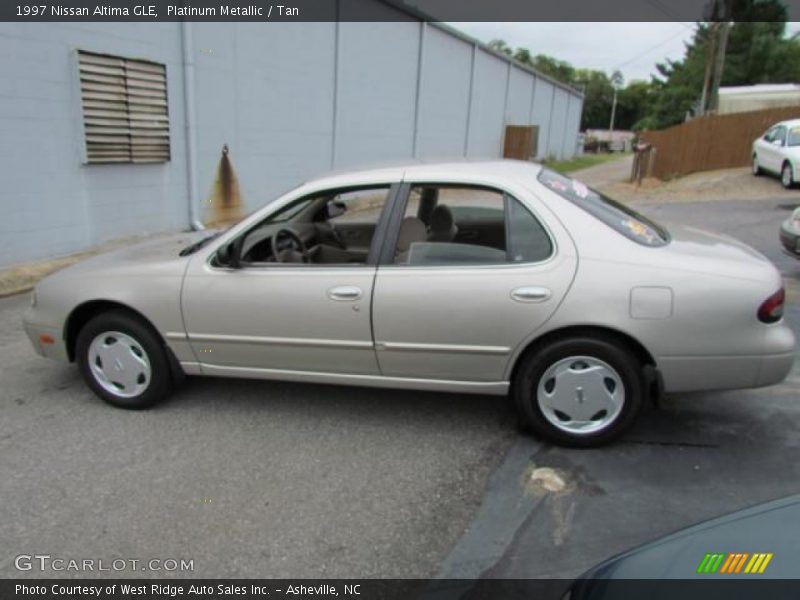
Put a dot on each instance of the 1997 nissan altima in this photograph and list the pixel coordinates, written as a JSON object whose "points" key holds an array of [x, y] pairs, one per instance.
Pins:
{"points": [[497, 277]]}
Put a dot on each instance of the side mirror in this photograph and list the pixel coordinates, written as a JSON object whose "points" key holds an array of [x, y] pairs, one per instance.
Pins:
{"points": [[778, 143], [228, 255], [335, 208]]}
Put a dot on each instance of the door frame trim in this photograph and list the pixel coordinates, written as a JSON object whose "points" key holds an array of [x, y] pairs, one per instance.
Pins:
{"points": [[278, 341]]}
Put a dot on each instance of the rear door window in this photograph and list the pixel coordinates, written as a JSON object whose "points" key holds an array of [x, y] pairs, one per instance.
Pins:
{"points": [[452, 225]]}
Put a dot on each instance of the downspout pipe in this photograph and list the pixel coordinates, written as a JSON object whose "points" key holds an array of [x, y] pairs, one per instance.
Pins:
{"points": [[189, 113]]}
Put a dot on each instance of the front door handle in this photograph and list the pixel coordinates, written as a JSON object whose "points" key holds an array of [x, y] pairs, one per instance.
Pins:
{"points": [[345, 293], [530, 294]]}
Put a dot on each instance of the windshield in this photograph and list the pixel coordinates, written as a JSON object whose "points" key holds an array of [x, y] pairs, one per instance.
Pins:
{"points": [[289, 212], [619, 217], [794, 137]]}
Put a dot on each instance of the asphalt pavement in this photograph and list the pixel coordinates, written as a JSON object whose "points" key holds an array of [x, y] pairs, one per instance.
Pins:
{"points": [[268, 479], [696, 457], [245, 478]]}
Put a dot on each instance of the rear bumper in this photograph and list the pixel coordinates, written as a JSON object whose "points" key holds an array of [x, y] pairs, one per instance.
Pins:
{"points": [[700, 373], [40, 336], [774, 368]]}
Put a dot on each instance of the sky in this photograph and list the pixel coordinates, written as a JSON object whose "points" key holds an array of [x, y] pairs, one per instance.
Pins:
{"points": [[633, 48]]}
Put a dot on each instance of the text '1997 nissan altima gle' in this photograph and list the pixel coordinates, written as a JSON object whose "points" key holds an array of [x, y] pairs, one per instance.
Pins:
{"points": [[494, 278]]}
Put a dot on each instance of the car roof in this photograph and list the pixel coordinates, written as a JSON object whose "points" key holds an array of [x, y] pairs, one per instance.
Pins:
{"points": [[789, 123], [457, 170]]}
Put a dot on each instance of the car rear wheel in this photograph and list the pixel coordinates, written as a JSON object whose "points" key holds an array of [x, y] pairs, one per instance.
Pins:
{"points": [[787, 176], [123, 361], [756, 167], [579, 391]]}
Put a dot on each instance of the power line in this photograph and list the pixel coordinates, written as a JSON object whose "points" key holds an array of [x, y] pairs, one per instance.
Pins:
{"points": [[668, 12], [647, 51]]}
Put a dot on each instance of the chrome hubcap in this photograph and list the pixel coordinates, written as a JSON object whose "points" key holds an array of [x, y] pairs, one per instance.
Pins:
{"points": [[787, 176], [755, 165], [119, 364], [581, 395]]}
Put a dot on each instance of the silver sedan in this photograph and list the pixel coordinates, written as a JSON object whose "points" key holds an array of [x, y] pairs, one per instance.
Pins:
{"points": [[493, 278]]}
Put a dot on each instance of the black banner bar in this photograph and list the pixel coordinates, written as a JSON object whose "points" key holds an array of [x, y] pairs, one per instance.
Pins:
{"points": [[363, 10], [712, 587]]}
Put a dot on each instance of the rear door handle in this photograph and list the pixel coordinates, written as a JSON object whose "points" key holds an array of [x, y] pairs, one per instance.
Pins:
{"points": [[345, 293], [530, 294]]}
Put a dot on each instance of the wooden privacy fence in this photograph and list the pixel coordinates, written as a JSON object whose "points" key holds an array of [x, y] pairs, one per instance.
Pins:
{"points": [[711, 142]]}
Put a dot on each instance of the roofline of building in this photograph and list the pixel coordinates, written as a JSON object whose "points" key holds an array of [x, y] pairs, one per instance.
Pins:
{"points": [[426, 18]]}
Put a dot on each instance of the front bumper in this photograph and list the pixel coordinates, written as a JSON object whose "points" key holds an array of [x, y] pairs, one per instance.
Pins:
{"points": [[41, 336]]}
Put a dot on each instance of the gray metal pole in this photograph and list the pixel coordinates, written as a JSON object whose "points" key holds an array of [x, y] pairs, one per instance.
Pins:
{"points": [[189, 123]]}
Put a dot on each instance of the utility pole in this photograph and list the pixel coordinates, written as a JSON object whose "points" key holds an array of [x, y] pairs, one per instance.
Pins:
{"points": [[611, 124], [616, 83], [710, 43], [722, 43]]}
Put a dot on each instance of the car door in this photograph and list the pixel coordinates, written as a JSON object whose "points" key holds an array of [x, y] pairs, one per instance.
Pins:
{"points": [[273, 318], [770, 149], [450, 308]]}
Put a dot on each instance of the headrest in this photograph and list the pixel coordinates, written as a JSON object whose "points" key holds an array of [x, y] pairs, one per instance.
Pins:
{"points": [[411, 230], [441, 218]]}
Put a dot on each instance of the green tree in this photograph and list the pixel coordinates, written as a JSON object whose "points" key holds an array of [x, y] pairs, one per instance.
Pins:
{"points": [[633, 105], [598, 94], [757, 52], [500, 46], [597, 86], [557, 69]]}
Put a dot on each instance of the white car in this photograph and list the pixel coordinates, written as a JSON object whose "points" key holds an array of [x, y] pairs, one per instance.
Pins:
{"points": [[778, 152]]}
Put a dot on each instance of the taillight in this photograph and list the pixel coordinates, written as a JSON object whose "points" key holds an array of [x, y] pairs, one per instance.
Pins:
{"points": [[771, 310]]}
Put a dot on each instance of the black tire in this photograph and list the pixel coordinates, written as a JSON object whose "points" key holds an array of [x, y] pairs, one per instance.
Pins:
{"points": [[787, 182], [160, 381], [535, 365], [756, 169]]}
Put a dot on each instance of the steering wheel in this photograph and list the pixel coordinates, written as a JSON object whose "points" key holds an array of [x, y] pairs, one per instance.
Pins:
{"points": [[288, 247]]}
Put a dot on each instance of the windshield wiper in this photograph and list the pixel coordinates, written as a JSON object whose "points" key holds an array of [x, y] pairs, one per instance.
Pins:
{"points": [[191, 248]]}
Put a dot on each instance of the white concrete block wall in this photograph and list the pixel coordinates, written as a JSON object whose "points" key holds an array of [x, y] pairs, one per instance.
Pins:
{"points": [[292, 100], [558, 121], [376, 92], [520, 91], [265, 90], [52, 203], [444, 101], [487, 117]]}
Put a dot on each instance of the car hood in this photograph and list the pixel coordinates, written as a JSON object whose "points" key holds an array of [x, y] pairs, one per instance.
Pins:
{"points": [[772, 528], [699, 250], [161, 255]]}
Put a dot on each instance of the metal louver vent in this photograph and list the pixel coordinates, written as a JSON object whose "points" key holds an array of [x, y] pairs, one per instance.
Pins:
{"points": [[124, 109]]}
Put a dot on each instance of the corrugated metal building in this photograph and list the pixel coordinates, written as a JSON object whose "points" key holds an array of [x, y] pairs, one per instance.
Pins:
{"points": [[115, 129]]}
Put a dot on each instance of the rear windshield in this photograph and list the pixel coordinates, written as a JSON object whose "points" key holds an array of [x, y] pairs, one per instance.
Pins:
{"points": [[619, 217]]}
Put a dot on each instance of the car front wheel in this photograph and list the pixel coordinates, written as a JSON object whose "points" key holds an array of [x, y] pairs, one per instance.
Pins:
{"points": [[123, 361], [787, 176], [579, 391]]}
